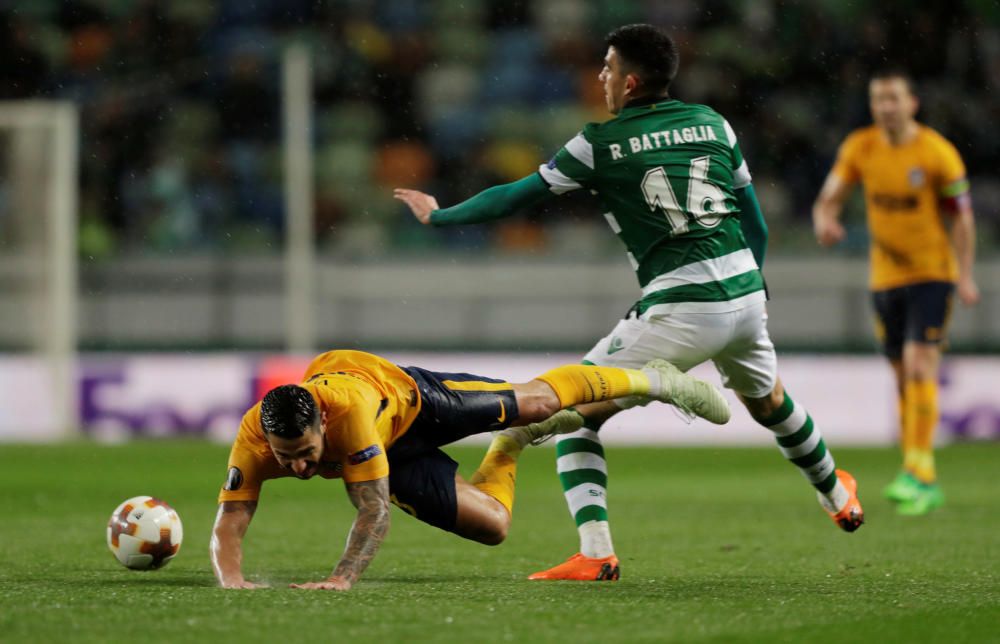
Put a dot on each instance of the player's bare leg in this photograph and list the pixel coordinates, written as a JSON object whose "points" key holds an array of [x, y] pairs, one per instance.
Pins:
{"points": [[485, 502], [801, 443], [481, 517], [536, 401], [766, 406]]}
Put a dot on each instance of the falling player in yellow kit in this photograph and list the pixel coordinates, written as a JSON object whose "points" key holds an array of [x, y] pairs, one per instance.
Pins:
{"points": [[379, 427], [922, 249]]}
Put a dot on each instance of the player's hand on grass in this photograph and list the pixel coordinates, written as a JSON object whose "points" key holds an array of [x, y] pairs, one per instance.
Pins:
{"points": [[422, 204], [828, 232], [333, 583], [968, 292]]}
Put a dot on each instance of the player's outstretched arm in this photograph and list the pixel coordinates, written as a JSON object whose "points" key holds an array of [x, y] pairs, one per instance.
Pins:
{"points": [[752, 223], [421, 204], [493, 203], [827, 209], [231, 524], [963, 237], [371, 498]]}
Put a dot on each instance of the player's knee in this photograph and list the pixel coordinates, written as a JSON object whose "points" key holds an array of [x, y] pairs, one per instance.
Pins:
{"points": [[494, 532], [763, 408], [921, 363], [758, 409], [925, 368], [494, 537], [537, 404], [545, 407], [485, 521]]}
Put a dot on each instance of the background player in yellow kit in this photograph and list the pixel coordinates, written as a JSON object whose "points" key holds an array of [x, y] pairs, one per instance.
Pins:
{"points": [[922, 249], [379, 427]]}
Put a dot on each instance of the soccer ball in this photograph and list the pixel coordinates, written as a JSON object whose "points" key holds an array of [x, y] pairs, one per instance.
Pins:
{"points": [[144, 533]]}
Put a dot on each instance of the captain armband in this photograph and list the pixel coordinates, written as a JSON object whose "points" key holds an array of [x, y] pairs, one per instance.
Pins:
{"points": [[955, 196]]}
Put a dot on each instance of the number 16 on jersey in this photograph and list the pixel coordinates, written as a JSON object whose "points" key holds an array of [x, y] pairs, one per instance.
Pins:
{"points": [[706, 202]]}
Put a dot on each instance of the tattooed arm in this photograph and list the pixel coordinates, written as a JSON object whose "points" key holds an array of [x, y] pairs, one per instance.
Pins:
{"points": [[371, 498], [231, 524]]}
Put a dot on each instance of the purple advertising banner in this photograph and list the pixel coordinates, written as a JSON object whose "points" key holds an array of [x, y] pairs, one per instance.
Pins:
{"points": [[148, 396], [185, 395]]}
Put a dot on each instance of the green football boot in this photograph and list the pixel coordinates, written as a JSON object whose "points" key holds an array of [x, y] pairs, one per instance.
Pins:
{"points": [[929, 497], [564, 421], [903, 488]]}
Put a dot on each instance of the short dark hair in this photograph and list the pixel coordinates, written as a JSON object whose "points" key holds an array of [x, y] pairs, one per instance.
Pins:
{"points": [[888, 72], [650, 51], [287, 411]]}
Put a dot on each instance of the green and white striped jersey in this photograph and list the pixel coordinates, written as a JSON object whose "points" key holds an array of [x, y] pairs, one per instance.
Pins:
{"points": [[665, 174]]}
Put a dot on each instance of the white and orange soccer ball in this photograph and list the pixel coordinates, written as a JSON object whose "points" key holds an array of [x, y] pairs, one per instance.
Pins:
{"points": [[144, 533]]}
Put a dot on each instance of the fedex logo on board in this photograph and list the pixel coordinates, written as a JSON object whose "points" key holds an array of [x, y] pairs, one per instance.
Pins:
{"points": [[177, 395], [165, 396]]}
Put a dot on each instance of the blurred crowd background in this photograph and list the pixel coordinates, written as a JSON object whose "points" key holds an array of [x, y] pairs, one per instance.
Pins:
{"points": [[181, 107]]}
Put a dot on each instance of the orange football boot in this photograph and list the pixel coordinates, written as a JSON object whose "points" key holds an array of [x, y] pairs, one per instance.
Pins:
{"points": [[851, 516], [580, 568]]}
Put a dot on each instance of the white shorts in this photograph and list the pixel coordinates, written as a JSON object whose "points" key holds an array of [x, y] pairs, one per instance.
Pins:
{"points": [[736, 341]]}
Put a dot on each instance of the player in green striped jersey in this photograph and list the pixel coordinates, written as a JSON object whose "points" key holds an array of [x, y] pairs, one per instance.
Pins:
{"points": [[673, 185]]}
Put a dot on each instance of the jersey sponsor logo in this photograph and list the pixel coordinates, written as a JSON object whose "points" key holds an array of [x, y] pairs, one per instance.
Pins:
{"points": [[892, 255], [503, 412], [895, 202], [367, 454], [916, 177], [234, 480], [617, 344]]}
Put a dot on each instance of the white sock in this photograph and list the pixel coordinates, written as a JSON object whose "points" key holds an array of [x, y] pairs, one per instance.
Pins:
{"points": [[595, 540], [835, 499], [656, 383]]}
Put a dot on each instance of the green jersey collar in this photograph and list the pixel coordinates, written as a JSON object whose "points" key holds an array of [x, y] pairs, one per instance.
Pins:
{"points": [[651, 102]]}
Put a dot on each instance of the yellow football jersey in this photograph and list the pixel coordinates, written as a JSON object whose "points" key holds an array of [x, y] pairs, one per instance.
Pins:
{"points": [[369, 404], [904, 186]]}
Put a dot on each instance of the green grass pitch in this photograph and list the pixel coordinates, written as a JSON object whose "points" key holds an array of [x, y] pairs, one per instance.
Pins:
{"points": [[725, 545]]}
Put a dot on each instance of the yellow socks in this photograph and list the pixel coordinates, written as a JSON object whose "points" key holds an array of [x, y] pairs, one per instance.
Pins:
{"points": [[920, 419], [578, 384], [906, 441], [497, 472], [574, 385]]}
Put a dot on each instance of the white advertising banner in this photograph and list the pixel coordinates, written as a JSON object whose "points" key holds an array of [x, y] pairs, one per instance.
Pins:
{"points": [[851, 398], [27, 412], [165, 395]]}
